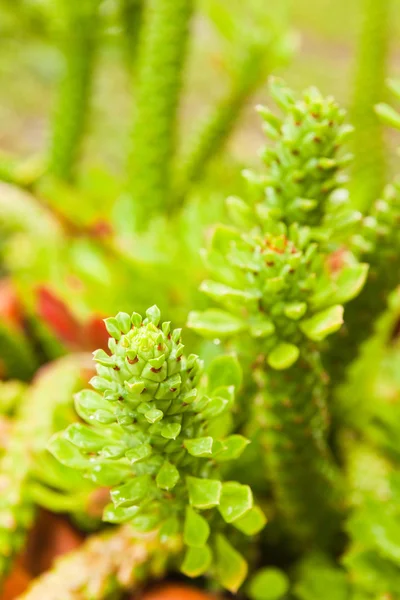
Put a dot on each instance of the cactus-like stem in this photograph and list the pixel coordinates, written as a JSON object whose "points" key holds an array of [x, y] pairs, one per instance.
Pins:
{"points": [[296, 453], [274, 282], [71, 114], [131, 20], [162, 51], [281, 292], [303, 165], [213, 134], [378, 244], [369, 165], [105, 566], [33, 425]]}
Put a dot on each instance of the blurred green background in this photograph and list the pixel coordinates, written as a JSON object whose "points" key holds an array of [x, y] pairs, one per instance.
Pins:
{"points": [[326, 34]]}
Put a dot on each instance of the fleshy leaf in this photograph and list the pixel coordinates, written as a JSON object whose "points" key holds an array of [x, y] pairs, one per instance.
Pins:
{"points": [[197, 561], [231, 448], [204, 493], [236, 500], [283, 356], [215, 323], [199, 446], [251, 522], [323, 323], [131, 492], [167, 477], [268, 584], [196, 529], [231, 567]]}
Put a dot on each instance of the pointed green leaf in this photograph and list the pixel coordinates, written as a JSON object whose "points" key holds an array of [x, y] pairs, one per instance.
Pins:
{"points": [[167, 477], [132, 492], [203, 493], [197, 561], [220, 292], [215, 323], [196, 529], [124, 322], [251, 522], [323, 323], [231, 448], [85, 437], [199, 446], [295, 310], [170, 431], [231, 568], [350, 282], [109, 473], [388, 115], [121, 514], [153, 314], [113, 327], [283, 356], [139, 453], [236, 500], [66, 453]]}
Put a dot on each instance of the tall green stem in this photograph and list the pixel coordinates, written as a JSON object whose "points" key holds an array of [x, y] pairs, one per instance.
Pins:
{"points": [[161, 58], [71, 115], [368, 143], [214, 132]]}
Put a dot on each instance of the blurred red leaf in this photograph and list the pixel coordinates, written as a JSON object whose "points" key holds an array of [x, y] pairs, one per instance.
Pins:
{"points": [[58, 317], [95, 334], [10, 306]]}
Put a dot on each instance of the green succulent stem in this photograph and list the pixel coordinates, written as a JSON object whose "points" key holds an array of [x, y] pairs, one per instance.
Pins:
{"points": [[34, 423], [72, 110], [378, 244], [272, 277], [369, 166], [306, 482], [131, 20], [161, 57], [210, 138], [105, 566]]}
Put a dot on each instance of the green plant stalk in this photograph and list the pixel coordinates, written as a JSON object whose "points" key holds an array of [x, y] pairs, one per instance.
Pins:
{"points": [[379, 245], [33, 425], [105, 566], [72, 110], [131, 20], [213, 134], [276, 287], [162, 50], [305, 480], [369, 166]]}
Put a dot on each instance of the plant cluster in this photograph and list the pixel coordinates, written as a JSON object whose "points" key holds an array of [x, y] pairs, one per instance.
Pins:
{"points": [[266, 461]]}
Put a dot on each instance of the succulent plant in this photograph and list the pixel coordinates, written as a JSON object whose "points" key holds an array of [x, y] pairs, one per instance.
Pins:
{"points": [[157, 437]]}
